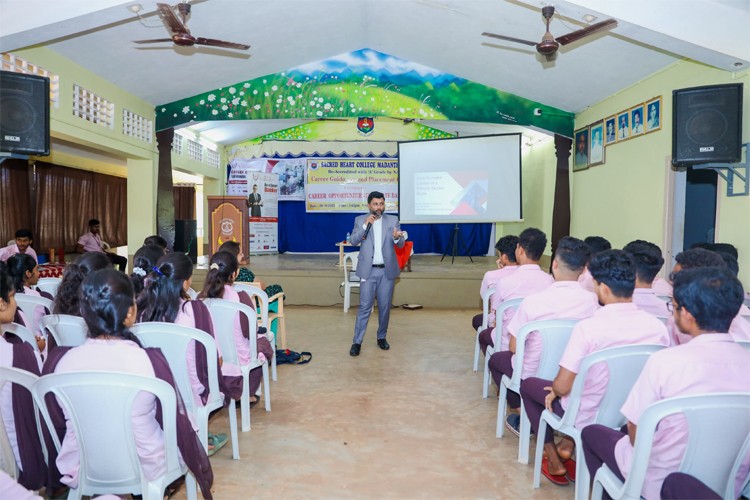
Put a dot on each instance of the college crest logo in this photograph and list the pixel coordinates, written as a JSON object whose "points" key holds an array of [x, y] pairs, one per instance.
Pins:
{"points": [[365, 125]]}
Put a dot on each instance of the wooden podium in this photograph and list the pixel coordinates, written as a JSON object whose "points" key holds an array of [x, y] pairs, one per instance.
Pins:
{"points": [[227, 221]]}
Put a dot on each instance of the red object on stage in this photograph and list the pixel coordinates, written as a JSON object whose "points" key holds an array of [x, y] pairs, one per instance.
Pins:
{"points": [[51, 270], [404, 254], [61, 256]]}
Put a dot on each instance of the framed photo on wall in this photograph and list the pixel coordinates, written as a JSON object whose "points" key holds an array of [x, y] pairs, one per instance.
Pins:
{"points": [[610, 130], [636, 120], [623, 126], [596, 143], [653, 114], [581, 146]]}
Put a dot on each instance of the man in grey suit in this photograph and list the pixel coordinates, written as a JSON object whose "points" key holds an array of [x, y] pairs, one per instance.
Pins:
{"points": [[377, 267], [254, 202]]}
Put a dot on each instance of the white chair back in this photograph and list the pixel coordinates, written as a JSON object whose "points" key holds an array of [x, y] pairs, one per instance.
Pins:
{"points": [[262, 296], [22, 333], [486, 303], [192, 293], [67, 330], [223, 313], [9, 375], [351, 280], [33, 307], [499, 315], [174, 341], [99, 407], [717, 431], [49, 285]]}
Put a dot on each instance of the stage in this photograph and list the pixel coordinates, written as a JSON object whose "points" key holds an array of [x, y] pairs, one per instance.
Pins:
{"points": [[315, 279]]}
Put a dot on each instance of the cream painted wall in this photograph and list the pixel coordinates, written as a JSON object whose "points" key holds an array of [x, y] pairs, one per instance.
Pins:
{"points": [[625, 199], [538, 165]]}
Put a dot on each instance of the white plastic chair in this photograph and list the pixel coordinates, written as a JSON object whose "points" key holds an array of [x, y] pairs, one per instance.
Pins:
{"points": [[351, 280], [192, 293], [49, 285], [28, 304], [263, 316], [624, 365], [7, 458], [67, 330], [554, 334], [718, 429], [22, 333], [486, 304], [174, 340], [499, 314], [223, 313], [99, 405]]}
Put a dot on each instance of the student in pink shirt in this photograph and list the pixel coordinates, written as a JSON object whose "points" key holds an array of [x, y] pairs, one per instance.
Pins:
{"points": [[223, 270], [596, 244], [563, 299], [25, 274], [108, 306], [705, 302], [164, 298], [506, 263], [24, 239], [92, 242], [525, 280], [66, 299], [618, 323], [648, 263]]}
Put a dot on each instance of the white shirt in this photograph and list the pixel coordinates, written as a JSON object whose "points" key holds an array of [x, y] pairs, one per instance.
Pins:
{"points": [[377, 234]]}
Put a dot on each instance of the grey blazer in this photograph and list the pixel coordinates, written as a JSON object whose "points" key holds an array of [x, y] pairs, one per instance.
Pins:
{"points": [[367, 249]]}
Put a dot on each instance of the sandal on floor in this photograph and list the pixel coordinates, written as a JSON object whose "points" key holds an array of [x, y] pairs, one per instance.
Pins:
{"points": [[559, 480], [570, 466], [216, 442]]}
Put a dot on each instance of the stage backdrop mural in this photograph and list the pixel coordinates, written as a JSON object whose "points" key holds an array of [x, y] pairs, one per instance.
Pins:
{"points": [[263, 222], [362, 84]]}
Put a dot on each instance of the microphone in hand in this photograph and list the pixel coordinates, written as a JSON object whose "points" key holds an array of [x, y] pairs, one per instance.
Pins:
{"points": [[367, 230]]}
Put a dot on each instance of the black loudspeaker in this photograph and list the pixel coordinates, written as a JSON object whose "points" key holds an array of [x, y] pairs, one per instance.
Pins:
{"points": [[707, 124], [186, 238], [24, 114]]}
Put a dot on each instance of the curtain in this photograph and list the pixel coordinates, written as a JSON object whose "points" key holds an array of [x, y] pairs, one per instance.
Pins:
{"points": [[184, 202], [303, 232], [67, 198], [15, 199]]}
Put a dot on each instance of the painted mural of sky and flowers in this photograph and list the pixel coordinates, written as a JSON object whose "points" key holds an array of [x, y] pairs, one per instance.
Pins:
{"points": [[363, 83]]}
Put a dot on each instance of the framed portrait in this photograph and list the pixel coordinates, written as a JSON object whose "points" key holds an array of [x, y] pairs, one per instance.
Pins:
{"points": [[653, 114], [596, 143], [623, 126], [581, 156], [610, 130], [636, 120]]}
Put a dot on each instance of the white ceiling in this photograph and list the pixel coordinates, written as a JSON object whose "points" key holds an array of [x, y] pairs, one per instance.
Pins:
{"points": [[443, 34]]}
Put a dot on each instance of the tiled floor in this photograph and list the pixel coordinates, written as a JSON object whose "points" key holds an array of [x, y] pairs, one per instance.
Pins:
{"points": [[406, 423]]}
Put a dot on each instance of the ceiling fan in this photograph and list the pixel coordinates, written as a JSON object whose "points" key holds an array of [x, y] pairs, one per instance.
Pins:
{"points": [[181, 34], [549, 44]]}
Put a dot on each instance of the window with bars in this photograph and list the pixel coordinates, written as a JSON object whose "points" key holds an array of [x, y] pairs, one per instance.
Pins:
{"points": [[212, 158], [91, 107], [137, 126], [17, 64], [194, 150], [177, 143]]}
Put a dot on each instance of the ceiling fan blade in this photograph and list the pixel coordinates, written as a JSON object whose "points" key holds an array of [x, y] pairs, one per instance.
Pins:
{"points": [[509, 38], [587, 31], [171, 20], [220, 43], [155, 40]]}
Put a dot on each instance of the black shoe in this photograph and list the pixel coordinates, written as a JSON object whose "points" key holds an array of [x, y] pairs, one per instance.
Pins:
{"points": [[354, 351], [383, 344]]}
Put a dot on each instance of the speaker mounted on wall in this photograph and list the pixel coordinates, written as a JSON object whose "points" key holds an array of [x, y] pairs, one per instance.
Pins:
{"points": [[707, 124], [24, 114]]}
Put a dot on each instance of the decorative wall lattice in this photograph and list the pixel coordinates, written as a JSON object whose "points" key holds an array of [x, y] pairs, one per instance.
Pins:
{"points": [[92, 107], [17, 64]]}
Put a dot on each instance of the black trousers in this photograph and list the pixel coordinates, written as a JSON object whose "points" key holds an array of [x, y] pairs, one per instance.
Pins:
{"points": [[117, 260]]}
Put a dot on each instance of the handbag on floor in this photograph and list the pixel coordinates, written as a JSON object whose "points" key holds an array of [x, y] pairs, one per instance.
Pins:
{"points": [[287, 356]]}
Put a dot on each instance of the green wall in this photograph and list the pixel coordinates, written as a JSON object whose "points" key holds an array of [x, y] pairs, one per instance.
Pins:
{"points": [[626, 198]]}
